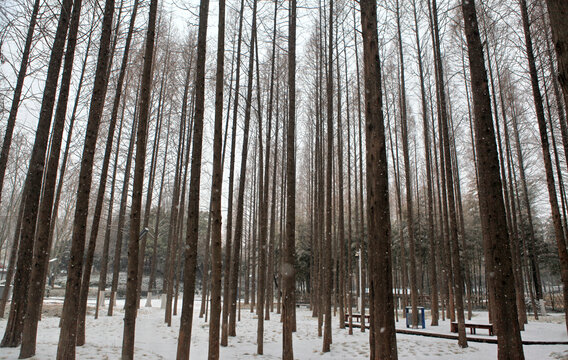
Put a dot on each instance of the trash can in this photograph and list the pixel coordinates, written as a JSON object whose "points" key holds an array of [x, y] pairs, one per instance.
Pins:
{"points": [[421, 319]]}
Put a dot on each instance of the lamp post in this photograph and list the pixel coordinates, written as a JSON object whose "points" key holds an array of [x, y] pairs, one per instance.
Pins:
{"points": [[361, 293], [143, 232]]}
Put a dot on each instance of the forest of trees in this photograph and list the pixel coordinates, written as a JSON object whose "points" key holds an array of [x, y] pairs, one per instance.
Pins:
{"points": [[352, 156]]}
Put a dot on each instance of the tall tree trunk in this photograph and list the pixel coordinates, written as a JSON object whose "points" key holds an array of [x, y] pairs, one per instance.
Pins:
{"points": [[152, 178], [269, 274], [41, 246], [205, 282], [33, 185], [442, 261], [499, 144], [288, 266], [408, 177], [106, 243], [121, 216], [340, 207], [216, 188], [173, 229], [264, 169], [430, 203], [320, 184], [349, 272], [254, 232], [361, 278], [67, 336], [192, 235], [448, 186], [383, 335], [491, 205], [176, 269], [261, 290], [327, 261], [515, 249], [235, 256], [556, 9], [397, 180], [440, 172], [131, 302], [227, 286], [153, 265], [55, 210], [84, 291]]}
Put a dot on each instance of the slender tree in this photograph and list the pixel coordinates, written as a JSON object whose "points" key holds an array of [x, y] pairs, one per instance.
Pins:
{"points": [[408, 178], [33, 185], [382, 334], [288, 265], [238, 236], [131, 303], [174, 212], [154, 259], [349, 272], [229, 324], [269, 293], [41, 246], [68, 334], [491, 204], [106, 241], [327, 249], [216, 188], [559, 231], [84, 291], [190, 253], [429, 190]]}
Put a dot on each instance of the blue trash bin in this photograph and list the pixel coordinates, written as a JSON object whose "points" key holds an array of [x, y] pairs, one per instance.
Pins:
{"points": [[421, 319]]}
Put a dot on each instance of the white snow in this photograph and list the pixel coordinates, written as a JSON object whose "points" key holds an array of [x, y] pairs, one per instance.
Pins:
{"points": [[154, 340]]}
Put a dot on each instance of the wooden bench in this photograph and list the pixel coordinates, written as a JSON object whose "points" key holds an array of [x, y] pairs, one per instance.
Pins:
{"points": [[356, 318], [472, 327]]}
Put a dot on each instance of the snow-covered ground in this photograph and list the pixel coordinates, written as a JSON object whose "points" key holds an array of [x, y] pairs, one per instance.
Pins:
{"points": [[154, 340]]}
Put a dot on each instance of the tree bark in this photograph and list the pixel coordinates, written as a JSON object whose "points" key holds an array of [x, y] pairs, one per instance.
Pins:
{"points": [[408, 178], [191, 240], [41, 246], [33, 185], [67, 336], [269, 274], [121, 216], [216, 189], [288, 265], [174, 213], [327, 266], [433, 277], [238, 236], [131, 302], [106, 242], [383, 335], [491, 205], [557, 11], [84, 291], [227, 286]]}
